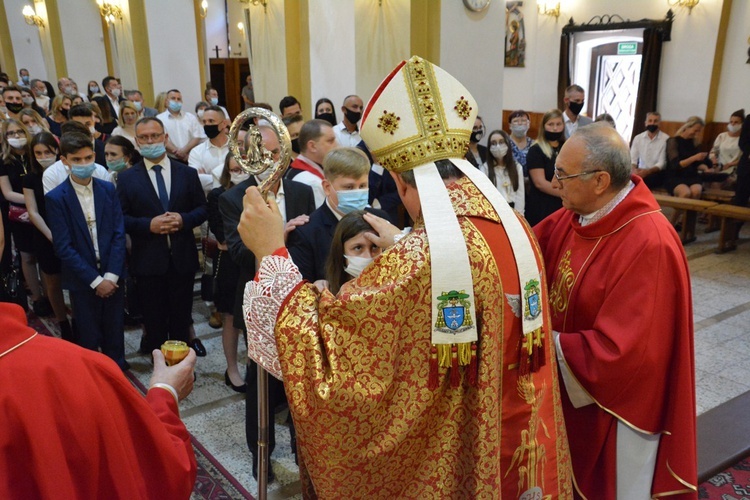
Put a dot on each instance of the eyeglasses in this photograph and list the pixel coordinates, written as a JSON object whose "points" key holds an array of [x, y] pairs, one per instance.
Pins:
{"points": [[561, 178], [15, 133], [149, 138]]}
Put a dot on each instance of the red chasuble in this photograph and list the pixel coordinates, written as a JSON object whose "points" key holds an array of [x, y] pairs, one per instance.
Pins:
{"points": [[356, 369], [620, 296], [74, 427]]}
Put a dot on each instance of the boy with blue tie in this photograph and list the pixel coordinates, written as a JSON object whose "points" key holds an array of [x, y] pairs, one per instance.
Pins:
{"points": [[88, 235]]}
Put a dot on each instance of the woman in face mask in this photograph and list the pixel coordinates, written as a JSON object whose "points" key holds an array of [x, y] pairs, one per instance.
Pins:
{"points": [[29, 102], [503, 170], [477, 154], [93, 90], [126, 121], [33, 122], [45, 153], [351, 251], [520, 143], [226, 273], [14, 166], [120, 154], [58, 113], [324, 110], [543, 199], [726, 149]]}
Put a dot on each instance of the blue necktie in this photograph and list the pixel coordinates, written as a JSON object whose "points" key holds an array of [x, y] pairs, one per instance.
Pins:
{"points": [[163, 197]]}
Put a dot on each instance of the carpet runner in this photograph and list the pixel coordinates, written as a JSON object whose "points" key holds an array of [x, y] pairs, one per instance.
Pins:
{"points": [[731, 484]]}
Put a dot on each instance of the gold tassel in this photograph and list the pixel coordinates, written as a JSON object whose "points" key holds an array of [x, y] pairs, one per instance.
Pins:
{"points": [[444, 355]]}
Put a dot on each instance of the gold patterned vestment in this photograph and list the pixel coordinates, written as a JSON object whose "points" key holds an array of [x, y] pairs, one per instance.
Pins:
{"points": [[355, 369]]}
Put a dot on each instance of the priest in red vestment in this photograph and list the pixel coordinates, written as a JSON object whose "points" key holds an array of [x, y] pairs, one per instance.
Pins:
{"points": [[432, 374], [623, 321], [74, 427]]}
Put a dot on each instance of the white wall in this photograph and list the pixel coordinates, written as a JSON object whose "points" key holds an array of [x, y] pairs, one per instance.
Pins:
{"points": [[269, 53], [733, 92], [84, 43], [27, 48], [216, 28], [332, 52], [174, 49], [472, 50], [382, 41], [687, 60]]}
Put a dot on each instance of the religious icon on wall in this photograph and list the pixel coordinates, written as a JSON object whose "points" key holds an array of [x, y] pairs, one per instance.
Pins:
{"points": [[515, 36]]}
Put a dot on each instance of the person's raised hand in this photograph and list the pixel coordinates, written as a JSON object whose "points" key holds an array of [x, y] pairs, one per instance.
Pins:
{"points": [[261, 226], [384, 229], [179, 376]]}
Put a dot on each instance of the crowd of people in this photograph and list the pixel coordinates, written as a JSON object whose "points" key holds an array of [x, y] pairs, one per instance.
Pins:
{"points": [[105, 197]]}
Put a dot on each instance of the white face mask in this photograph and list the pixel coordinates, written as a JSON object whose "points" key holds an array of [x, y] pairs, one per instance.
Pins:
{"points": [[35, 129], [356, 264], [734, 128], [17, 142], [46, 162], [263, 175], [92, 130], [237, 178], [499, 151]]}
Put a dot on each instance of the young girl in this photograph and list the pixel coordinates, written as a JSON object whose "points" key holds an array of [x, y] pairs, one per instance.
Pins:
{"points": [[503, 170]]}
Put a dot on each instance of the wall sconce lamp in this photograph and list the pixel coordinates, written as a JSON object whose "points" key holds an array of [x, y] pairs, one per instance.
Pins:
{"points": [[264, 3], [684, 3], [551, 9], [204, 9], [31, 18], [241, 26], [110, 11]]}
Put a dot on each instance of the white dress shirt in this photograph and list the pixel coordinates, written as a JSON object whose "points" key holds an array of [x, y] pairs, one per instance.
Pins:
{"points": [[344, 137], [115, 104], [312, 180], [647, 152], [57, 173], [205, 158], [85, 196], [166, 172], [182, 128]]}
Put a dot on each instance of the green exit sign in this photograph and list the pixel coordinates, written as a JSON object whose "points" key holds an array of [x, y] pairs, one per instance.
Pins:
{"points": [[627, 48]]}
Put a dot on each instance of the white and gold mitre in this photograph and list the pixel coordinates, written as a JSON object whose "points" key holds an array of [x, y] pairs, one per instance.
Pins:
{"points": [[418, 114]]}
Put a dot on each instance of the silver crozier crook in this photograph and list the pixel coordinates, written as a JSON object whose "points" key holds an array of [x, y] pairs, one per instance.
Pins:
{"points": [[257, 160]]}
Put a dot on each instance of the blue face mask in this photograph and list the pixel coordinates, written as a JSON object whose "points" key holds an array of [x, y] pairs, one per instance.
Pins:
{"points": [[117, 165], [175, 106], [152, 151], [354, 199], [83, 171], [137, 105], [214, 101]]}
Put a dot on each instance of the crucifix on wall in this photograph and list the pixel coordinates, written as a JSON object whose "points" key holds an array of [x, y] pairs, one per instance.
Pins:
{"points": [[217, 50]]}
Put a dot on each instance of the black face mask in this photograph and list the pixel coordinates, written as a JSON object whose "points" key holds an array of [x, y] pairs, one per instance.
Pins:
{"points": [[64, 112], [352, 116], [552, 136], [652, 128], [575, 107], [14, 107], [327, 117], [295, 145], [476, 136], [211, 130]]}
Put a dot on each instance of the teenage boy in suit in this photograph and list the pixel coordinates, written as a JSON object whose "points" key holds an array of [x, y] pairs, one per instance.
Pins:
{"points": [[88, 235]]}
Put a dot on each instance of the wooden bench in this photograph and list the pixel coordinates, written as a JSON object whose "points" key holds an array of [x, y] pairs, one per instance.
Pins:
{"points": [[717, 195], [723, 436], [690, 209], [730, 215]]}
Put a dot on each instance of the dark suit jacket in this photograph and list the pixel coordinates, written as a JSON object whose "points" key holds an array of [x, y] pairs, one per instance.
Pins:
{"points": [[103, 101], [72, 239], [299, 200], [482, 154], [151, 252], [310, 244]]}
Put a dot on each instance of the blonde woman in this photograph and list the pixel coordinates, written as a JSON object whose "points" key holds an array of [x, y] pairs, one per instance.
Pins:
{"points": [[59, 113], [33, 122], [128, 117], [543, 199]]}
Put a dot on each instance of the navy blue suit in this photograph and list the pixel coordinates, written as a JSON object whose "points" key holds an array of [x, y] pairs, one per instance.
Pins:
{"points": [[99, 321], [164, 265]]}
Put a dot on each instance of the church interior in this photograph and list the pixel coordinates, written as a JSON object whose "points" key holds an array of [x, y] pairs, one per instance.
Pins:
{"points": [[333, 48]]}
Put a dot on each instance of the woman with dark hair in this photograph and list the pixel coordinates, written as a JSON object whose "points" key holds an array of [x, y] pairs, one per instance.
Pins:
{"points": [[45, 150], [120, 155], [543, 199], [226, 273], [324, 110], [503, 170], [520, 143], [351, 251], [725, 153], [14, 165], [93, 90]]}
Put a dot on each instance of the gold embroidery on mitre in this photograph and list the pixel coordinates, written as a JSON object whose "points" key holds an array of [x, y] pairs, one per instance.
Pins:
{"points": [[559, 292], [433, 141], [388, 123], [462, 107]]}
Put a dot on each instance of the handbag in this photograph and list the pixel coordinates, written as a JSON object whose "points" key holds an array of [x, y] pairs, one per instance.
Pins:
{"points": [[210, 247], [12, 288], [18, 214], [208, 282]]}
